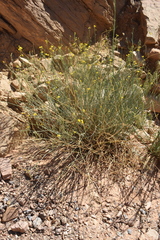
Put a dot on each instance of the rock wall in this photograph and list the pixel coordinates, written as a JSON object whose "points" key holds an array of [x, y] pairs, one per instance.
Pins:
{"points": [[30, 23]]}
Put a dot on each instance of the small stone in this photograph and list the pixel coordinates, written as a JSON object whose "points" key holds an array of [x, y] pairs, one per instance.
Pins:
{"points": [[16, 63], [93, 216], [148, 205], [5, 168], [119, 214], [58, 231], [27, 211], [2, 226], [63, 221], [20, 227], [10, 213], [37, 222], [142, 211], [129, 231], [108, 216], [48, 223], [77, 208], [22, 201], [105, 210]]}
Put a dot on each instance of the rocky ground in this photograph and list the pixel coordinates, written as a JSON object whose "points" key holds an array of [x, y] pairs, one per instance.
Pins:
{"points": [[34, 205]]}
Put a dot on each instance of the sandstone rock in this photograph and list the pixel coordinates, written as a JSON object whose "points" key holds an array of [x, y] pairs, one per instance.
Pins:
{"points": [[20, 227], [3, 95], [118, 62], [32, 22], [41, 92], [4, 83], [19, 84], [151, 9], [154, 54], [10, 213], [16, 64], [46, 63], [15, 100], [153, 104], [5, 168], [11, 130]]}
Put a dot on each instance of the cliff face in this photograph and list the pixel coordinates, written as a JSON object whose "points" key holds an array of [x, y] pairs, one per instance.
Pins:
{"points": [[29, 23]]}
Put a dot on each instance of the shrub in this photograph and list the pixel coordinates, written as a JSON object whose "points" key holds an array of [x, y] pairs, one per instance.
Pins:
{"points": [[90, 105]]}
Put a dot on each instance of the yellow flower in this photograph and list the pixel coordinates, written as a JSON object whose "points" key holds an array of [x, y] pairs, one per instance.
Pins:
{"points": [[83, 110], [80, 121], [20, 48], [58, 97], [34, 114], [88, 89], [58, 135]]}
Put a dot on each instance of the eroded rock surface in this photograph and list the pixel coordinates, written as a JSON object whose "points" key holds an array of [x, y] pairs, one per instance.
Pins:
{"points": [[30, 23]]}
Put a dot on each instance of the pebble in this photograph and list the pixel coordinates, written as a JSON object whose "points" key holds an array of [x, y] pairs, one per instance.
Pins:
{"points": [[29, 217], [105, 210], [119, 214], [77, 208], [20, 227], [58, 231], [27, 211], [37, 222], [63, 221], [129, 231], [148, 205], [143, 211], [119, 234]]}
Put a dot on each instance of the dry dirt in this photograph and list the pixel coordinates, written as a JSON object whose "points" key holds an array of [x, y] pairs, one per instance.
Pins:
{"points": [[124, 208]]}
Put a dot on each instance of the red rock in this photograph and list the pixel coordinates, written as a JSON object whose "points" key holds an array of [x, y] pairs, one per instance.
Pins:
{"points": [[154, 54]]}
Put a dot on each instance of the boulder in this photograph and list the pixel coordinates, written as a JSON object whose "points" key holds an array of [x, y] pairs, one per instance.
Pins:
{"points": [[151, 10], [138, 22]]}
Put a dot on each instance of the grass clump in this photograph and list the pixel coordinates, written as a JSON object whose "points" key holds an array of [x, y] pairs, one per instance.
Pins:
{"points": [[88, 104]]}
